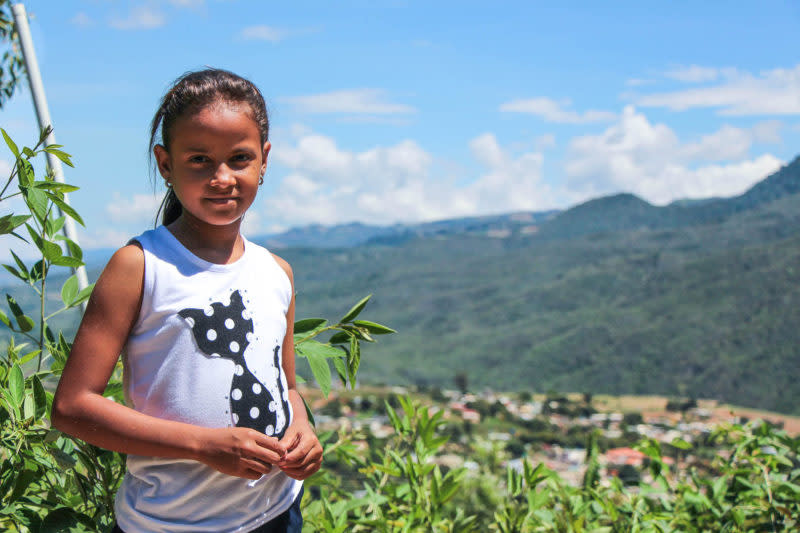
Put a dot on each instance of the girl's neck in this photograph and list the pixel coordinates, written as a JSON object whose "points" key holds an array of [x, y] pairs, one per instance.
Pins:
{"points": [[221, 245]]}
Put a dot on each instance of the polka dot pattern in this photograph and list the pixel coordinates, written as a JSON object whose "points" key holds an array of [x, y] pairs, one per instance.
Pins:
{"points": [[226, 331]]}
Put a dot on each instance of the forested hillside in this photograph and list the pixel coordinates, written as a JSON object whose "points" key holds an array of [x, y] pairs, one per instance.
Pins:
{"points": [[645, 303]]}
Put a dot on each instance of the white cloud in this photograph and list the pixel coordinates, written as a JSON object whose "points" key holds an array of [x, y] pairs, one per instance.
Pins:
{"points": [[140, 208], [251, 223], [82, 20], [355, 101], [383, 185], [649, 160], [103, 238], [768, 131], [636, 82], [264, 33], [5, 170], [140, 18], [544, 142], [553, 111], [771, 92], [724, 144], [693, 74], [187, 3]]}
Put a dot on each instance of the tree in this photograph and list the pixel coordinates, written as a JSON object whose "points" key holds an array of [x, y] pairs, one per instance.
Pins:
{"points": [[12, 67], [461, 382]]}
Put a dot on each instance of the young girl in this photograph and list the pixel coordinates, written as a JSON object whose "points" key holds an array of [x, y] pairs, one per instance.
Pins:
{"points": [[216, 434]]}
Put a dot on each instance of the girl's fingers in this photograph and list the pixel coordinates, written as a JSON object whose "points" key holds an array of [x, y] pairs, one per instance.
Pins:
{"points": [[308, 449], [264, 455], [299, 450], [269, 443], [291, 440], [302, 472], [256, 467]]}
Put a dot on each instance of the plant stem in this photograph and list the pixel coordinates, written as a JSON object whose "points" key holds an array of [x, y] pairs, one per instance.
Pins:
{"points": [[9, 196], [10, 179], [42, 321], [315, 333]]}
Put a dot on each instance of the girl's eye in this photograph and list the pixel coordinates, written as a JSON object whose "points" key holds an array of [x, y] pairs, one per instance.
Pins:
{"points": [[198, 159]]}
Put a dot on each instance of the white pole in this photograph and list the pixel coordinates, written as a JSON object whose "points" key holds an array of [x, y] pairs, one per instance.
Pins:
{"points": [[43, 115]]}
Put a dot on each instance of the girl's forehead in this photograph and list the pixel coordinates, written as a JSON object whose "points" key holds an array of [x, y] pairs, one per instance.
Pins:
{"points": [[223, 118], [220, 109]]}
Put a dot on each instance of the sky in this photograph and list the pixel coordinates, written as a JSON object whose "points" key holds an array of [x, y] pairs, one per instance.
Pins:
{"points": [[407, 111]]}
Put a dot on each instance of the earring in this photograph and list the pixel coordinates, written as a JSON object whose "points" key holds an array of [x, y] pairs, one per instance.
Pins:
{"points": [[167, 184], [261, 180]]}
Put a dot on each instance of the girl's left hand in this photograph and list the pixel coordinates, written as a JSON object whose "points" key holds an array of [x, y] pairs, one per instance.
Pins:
{"points": [[303, 451]]}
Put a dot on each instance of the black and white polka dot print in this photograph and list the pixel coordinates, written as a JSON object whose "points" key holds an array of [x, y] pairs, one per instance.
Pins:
{"points": [[226, 331]]}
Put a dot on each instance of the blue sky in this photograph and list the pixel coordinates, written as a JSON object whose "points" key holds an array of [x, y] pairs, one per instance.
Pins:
{"points": [[404, 111]]}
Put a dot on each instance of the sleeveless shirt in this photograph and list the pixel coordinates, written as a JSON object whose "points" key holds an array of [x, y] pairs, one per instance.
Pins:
{"points": [[206, 350]]}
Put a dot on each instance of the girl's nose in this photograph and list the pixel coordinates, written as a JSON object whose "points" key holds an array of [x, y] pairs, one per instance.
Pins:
{"points": [[223, 177]]}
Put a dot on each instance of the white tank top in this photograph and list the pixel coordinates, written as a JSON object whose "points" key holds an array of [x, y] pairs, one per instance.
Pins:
{"points": [[206, 350]]}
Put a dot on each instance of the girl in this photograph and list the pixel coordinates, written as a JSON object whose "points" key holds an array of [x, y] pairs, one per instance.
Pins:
{"points": [[216, 434]]}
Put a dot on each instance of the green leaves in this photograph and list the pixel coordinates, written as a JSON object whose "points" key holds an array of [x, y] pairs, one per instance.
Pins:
{"points": [[16, 386], [11, 144], [25, 323], [8, 223], [71, 296], [373, 327], [308, 324], [356, 309], [48, 482], [63, 156], [343, 347], [37, 202], [317, 355]]}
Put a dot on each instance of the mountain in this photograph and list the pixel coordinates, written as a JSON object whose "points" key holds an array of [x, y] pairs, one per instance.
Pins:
{"points": [[355, 234], [611, 296], [626, 212]]}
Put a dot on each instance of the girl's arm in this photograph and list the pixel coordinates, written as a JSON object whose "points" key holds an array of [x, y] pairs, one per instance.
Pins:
{"points": [[304, 452], [80, 409]]}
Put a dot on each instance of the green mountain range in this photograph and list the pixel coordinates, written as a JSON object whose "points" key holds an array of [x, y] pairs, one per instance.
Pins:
{"points": [[618, 296], [612, 296]]}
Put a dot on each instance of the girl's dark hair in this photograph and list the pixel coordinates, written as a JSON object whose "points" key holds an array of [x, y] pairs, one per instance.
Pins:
{"points": [[189, 94]]}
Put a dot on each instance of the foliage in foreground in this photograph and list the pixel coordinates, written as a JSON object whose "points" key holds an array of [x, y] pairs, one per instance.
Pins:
{"points": [[754, 486]]}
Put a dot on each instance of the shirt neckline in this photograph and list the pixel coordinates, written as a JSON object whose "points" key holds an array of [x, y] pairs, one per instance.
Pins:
{"points": [[208, 265]]}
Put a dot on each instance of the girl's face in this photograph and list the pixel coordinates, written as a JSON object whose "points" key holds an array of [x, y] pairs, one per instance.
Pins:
{"points": [[214, 163]]}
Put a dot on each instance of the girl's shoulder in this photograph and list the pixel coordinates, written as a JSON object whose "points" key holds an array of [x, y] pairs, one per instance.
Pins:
{"points": [[119, 286], [127, 260]]}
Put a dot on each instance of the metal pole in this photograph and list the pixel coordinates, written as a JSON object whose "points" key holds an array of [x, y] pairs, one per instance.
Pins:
{"points": [[43, 116]]}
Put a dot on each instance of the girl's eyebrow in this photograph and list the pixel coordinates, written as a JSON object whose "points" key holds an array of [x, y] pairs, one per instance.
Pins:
{"points": [[242, 148]]}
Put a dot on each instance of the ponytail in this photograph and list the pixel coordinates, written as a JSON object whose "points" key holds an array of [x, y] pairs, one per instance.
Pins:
{"points": [[170, 208]]}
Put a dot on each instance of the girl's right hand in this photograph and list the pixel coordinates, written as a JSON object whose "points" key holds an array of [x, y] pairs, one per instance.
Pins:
{"points": [[241, 452]]}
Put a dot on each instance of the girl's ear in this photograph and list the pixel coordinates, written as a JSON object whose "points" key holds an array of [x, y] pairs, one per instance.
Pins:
{"points": [[266, 148], [162, 161]]}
